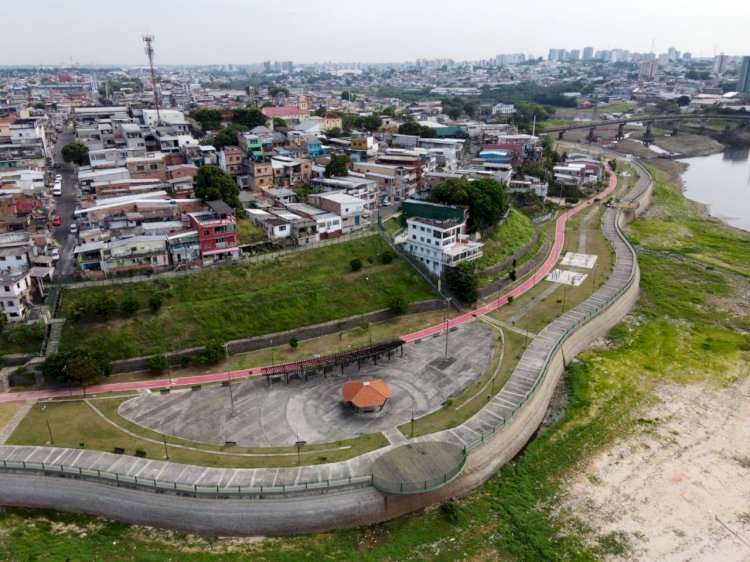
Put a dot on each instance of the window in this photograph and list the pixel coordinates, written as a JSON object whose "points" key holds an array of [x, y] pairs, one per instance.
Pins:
{"points": [[414, 236], [205, 232], [153, 166], [140, 168]]}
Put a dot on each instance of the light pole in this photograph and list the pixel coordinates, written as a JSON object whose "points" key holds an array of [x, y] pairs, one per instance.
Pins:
{"points": [[447, 315], [49, 429], [565, 290], [164, 438], [593, 283], [229, 376], [299, 445]]}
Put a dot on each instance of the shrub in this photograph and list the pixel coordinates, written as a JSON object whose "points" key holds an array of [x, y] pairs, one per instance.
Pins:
{"points": [[386, 257], [293, 342], [449, 509], [104, 306], [356, 264], [154, 302], [158, 364], [129, 306], [512, 275], [398, 304]]}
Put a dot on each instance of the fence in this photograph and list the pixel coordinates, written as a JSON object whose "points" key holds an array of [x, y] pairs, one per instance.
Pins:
{"points": [[165, 486], [394, 487]]}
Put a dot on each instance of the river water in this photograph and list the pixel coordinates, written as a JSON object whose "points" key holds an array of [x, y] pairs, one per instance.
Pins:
{"points": [[721, 181]]}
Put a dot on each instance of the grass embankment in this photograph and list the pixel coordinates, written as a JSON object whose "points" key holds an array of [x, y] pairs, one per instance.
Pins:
{"points": [[26, 338], [75, 422], [392, 226], [244, 300], [247, 232], [515, 231], [684, 328]]}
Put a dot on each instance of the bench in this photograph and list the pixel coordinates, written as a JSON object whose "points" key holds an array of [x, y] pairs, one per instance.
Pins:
{"points": [[140, 453], [118, 450], [164, 391], [230, 443], [195, 387]]}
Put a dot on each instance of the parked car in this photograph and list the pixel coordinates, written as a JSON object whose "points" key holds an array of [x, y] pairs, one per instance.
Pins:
{"points": [[73, 228], [57, 190], [55, 254], [58, 178], [56, 220]]}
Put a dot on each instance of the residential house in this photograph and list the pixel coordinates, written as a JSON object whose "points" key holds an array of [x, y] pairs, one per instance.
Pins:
{"points": [[288, 172], [328, 225], [352, 210], [135, 254], [217, 231], [15, 295], [230, 160], [436, 235]]}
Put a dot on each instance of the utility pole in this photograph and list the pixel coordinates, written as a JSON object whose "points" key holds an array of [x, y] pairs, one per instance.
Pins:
{"points": [[148, 40], [229, 376], [447, 316], [49, 429]]}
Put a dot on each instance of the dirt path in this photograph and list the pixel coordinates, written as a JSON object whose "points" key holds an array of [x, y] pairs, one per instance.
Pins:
{"points": [[680, 489]]}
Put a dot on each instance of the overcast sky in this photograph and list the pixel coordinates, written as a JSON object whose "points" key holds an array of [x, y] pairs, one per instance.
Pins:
{"points": [[247, 31]]}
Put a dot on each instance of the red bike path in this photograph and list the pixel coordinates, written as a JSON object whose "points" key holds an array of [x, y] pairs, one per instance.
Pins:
{"points": [[537, 277]]}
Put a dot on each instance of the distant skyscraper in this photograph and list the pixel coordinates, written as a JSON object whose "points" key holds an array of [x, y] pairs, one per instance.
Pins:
{"points": [[743, 84], [720, 63], [573, 55], [647, 70], [588, 53]]}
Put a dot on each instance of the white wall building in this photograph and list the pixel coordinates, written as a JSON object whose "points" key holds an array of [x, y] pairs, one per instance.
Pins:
{"points": [[15, 295], [440, 244]]}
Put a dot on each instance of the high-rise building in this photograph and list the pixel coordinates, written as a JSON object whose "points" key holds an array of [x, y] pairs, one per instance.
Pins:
{"points": [[573, 55], [588, 53], [720, 63], [647, 70], [743, 84]]}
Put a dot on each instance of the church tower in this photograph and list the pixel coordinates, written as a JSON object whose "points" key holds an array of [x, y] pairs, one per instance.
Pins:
{"points": [[302, 103]]}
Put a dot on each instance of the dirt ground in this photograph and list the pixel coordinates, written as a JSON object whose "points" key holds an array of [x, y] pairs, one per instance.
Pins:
{"points": [[680, 489]]}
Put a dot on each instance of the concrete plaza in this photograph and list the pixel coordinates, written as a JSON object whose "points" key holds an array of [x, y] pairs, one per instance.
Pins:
{"points": [[313, 411]]}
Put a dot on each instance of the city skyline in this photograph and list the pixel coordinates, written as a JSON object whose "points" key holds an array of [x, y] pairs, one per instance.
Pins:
{"points": [[331, 31]]}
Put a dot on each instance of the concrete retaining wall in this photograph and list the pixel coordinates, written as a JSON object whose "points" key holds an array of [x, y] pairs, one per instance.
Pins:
{"points": [[280, 338]]}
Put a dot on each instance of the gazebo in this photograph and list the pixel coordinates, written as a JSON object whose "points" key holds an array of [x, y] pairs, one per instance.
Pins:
{"points": [[366, 396]]}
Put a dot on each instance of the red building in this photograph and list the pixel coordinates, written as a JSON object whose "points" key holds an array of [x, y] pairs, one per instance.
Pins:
{"points": [[217, 232]]}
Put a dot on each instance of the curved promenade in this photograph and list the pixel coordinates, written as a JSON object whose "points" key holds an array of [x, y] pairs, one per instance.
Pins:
{"points": [[490, 438]]}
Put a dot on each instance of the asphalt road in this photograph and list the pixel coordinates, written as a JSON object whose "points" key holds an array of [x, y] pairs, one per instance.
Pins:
{"points": [[64, 206]]}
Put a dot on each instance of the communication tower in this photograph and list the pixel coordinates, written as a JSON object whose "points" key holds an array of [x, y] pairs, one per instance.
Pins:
{"points": [[149, 40]]}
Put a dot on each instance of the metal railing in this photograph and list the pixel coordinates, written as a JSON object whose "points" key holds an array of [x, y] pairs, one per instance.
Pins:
{"points": [[166, 486], [393, 487]]}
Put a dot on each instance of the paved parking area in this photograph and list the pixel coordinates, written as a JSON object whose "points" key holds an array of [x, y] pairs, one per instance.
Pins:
{"points": [[280, 414]]}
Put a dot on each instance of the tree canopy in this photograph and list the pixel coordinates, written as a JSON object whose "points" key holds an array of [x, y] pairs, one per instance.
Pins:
{"points": [[248, 117], [279, 122], [76, 152], [226, 136], [212, 183], [338, 166], [414, 128], [463, 281], [80, 366], [486, 199], [208, 118]]}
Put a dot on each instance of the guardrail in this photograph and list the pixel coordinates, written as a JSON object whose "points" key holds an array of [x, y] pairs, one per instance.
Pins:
{"points": [[195, 490], [393, 487]]}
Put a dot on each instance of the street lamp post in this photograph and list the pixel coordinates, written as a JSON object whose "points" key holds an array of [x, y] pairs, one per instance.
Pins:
{"points": [[447, 316], [229, 377], [299, 445], [164, 439], [49, 429]]}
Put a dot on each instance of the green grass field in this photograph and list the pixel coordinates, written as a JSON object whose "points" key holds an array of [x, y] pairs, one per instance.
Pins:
{"points": [[26, 338], [245, 300], [516, 231]]}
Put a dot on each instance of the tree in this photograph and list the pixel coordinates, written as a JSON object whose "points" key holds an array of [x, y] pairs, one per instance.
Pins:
{"points": [[79, 366], [320, 112], [486, 199], [279, 122], [463, 281], [334, 133], [346, 95], [274, 91], [212, 184], [398, 304], [294, 342], [371, 122], [409, 128], [338, 166], [683, 101], [76, 152], [226, 136], [208, 118], [249, 117]]}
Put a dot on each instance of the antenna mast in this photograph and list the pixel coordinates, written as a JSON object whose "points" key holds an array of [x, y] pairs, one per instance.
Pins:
{"points": [[148, 40]]}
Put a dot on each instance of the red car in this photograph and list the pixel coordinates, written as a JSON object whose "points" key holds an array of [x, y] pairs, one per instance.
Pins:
{"points": [[56, 221]]}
